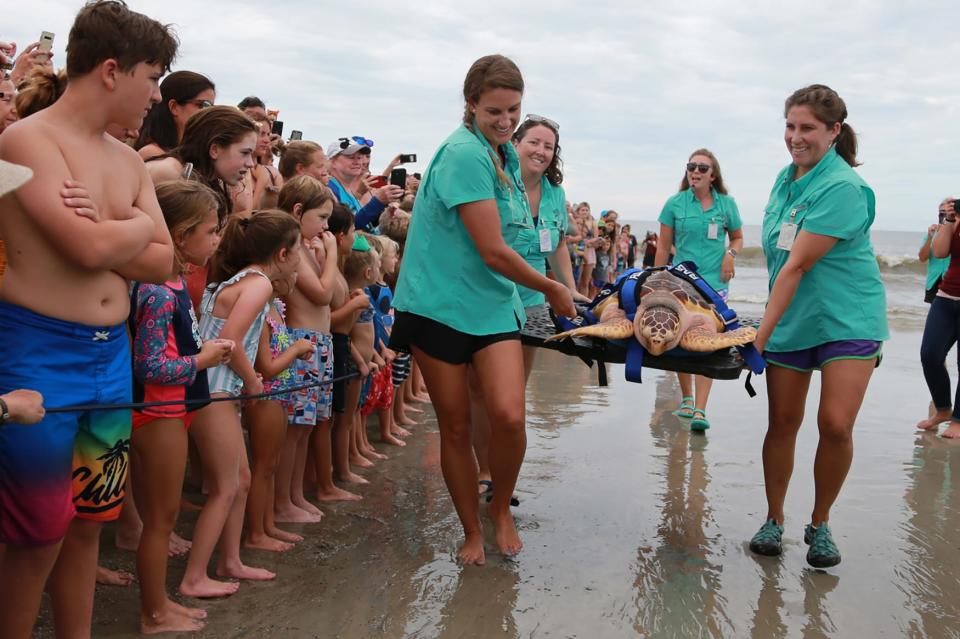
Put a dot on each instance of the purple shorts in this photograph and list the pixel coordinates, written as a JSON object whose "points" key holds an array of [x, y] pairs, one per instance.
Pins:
{"points": [[816, 357]]}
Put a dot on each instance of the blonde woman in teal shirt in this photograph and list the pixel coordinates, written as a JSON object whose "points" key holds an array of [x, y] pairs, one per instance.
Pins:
{"points": [[699, 220], [457, 302], [537, 142], [826, 311]]}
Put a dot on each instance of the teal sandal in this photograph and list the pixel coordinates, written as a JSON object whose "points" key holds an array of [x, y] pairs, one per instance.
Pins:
{"points": [[686, 408], [700, 423]]}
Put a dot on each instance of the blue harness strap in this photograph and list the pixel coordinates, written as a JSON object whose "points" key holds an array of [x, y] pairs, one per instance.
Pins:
{"points": [[753, 359], [628, 301]]}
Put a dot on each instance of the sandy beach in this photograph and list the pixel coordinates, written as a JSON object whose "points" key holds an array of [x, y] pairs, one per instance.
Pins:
{"points": [[633, 527]]}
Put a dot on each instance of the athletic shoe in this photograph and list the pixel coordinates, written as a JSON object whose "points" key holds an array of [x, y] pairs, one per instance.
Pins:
{"points": [[823, 551], [768, 540]]}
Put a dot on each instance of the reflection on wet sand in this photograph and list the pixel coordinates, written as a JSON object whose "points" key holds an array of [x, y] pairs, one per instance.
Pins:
{"points": [[678, 585], [928, 575]]}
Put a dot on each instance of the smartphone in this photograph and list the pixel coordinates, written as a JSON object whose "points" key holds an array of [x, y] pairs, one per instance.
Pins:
{"points": [[296, 135], [277, 128], [398, 177], [408, 158], [956, 206], [378, 181], [46, 43], [418, 176]]}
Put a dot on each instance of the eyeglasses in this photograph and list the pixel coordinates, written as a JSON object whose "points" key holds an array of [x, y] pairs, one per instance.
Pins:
{"points": [[203, 104], [539, 119], [693, 166], [362, 141]]}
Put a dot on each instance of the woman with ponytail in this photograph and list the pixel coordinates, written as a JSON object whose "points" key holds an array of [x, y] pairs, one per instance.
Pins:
{"points": [[826, 311], [457, 301]]}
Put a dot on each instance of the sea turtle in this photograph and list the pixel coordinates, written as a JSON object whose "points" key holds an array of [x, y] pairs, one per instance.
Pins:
{"points": [[671, 313]]}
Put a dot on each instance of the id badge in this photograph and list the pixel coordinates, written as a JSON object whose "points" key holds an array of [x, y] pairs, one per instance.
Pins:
{"points": [[713, 230], [788, 235], [546, 245]]}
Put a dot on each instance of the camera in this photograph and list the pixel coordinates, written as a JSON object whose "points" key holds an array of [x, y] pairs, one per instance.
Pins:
{"points": [[956, 206], [408, 158], [398, 177]]}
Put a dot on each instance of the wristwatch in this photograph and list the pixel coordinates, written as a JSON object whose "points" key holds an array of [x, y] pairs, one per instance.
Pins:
{"points": [[732, 253], [4, 412]]}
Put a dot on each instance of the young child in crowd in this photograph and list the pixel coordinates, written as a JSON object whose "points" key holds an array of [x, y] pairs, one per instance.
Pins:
{"points": [[345, 305], [309, 411], [65, 302], [394, 224], [361, 269], [254, 252], [267, 421], [169, 363], [380, 397]]}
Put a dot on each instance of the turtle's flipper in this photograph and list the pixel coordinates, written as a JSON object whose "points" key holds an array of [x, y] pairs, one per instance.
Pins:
{"points": [[618, 329], [703, 340]]}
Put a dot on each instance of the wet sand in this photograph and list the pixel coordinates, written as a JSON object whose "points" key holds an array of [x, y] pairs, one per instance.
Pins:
{"points": [[633, 527]]}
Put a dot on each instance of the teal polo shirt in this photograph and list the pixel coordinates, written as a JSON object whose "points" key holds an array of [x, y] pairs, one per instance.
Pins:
{"points": [[936, 266], [691, 225], [443, 276], [552, 217], [842, 297]]}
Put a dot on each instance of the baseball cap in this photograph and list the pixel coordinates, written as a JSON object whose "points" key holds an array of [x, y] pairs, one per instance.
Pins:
{"points": [[345, 146]]}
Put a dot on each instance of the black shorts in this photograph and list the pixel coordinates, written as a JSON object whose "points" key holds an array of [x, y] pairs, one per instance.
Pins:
{"points": [[341, 357], [439, 340]]}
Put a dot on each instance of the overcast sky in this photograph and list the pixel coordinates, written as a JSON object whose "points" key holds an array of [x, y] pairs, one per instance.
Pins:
{"points": [[634, 88]]}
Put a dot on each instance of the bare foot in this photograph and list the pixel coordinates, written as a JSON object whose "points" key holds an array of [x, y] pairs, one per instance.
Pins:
{"points": [[361, 461], [933, 422], [471, 552], [423, 399], [400, 432], [178, 545], [507, 537], [239, 570], [412, 408], [193, 613], [283, 535], [108, 577], [207, 587], [337, 494], [406, 420], [295, 515], [301, 503], [372, 452], [952, 432], [351, 478], [173, 618], [393, 441], [264, 542]]}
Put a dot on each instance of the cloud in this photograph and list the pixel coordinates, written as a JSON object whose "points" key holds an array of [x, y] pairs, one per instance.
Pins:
{"points": [[635, 88]]}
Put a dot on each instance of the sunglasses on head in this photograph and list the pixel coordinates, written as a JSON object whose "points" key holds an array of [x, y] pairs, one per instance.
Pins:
{"points": [[539, 119], [702, 168], [362, 141]]}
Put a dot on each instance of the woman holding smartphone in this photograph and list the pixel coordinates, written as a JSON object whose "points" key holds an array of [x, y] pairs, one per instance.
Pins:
{"points": [[826, 311], [457, 302], [698, 220]]}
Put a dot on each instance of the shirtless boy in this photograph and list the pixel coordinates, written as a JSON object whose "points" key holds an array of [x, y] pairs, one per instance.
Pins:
{"points": [[85, 225]]}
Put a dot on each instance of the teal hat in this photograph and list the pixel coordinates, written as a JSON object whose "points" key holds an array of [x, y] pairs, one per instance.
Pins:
{"points": [[360, 243]]}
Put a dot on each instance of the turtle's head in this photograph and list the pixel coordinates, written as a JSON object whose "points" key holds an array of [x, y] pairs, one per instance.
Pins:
{"points": [[657, 327]]}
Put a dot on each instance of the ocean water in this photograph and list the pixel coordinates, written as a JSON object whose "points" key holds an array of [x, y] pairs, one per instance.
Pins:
{"points": [[903, 273]]}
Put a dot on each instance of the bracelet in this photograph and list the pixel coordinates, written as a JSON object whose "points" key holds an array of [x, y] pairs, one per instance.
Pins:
{"points": [[4, 412], [950, 220], [732, 253]]}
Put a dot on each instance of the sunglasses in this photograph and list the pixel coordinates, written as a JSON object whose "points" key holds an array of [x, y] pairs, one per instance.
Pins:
{"points": [[693, 167], [362, 141], [539, 119], [203, 104]]}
